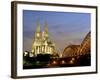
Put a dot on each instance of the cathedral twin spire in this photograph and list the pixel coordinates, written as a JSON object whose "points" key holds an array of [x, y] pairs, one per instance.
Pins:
{"points": [[38, 27], [38, 31], [41, 43]]}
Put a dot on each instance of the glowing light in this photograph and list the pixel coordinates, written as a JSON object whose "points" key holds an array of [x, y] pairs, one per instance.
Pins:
{"points": [[25, 53], [41, 43], [73, 59], [54, 62], [63, 62], [71, 62]]}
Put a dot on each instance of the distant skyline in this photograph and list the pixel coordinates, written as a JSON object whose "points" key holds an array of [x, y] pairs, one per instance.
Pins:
{"points": [[65, 28]]}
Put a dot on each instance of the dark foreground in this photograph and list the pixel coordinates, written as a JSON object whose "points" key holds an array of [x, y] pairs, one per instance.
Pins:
{"points": [[47, 61]]}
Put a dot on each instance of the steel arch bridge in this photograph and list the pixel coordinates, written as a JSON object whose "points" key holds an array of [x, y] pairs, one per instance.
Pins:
{"points": [[82, 49]]}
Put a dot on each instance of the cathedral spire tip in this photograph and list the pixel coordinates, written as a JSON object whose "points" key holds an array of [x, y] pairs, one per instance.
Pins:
{"points": [[38, 26]]}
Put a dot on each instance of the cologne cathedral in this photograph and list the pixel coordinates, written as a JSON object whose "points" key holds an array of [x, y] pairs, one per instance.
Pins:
{"points": [[42, 43]]}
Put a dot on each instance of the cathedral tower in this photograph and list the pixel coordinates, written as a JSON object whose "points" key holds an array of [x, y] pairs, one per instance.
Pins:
{"points": [[36, 46], [42, 43], [45, 32], [38, 32]]}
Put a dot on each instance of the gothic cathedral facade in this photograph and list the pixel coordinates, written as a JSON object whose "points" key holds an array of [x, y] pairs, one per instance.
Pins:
{"points": [[41, 43]]}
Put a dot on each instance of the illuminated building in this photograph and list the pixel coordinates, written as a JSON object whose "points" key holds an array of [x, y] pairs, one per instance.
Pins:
{"points": [[41, 43]]}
